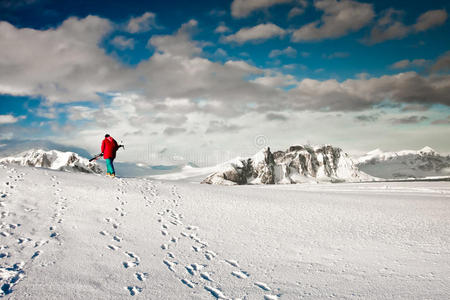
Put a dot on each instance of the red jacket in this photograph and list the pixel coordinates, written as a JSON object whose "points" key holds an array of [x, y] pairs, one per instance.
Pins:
{"points": [[109, 148]]}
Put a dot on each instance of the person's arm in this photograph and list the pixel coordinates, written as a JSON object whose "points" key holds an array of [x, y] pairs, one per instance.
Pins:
{"points": [[103, 146]]}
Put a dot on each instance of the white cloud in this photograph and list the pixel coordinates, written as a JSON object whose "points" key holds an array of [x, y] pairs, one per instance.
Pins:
{"points": [[295, 11], [220, 52], [222, 28], [9, 119], [298, 10], [339, 18], [62, 64], [141, 24], [180, 43], [275, 80], [406, 63], [122, 42], [442, 63], [391, 27], [243, 8], [430, 19], [78, 112], [289, 51], [257, 33], [358, 94]]}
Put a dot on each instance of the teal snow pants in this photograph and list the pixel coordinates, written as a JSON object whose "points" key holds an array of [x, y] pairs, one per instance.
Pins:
{"points": [[110, 166]]}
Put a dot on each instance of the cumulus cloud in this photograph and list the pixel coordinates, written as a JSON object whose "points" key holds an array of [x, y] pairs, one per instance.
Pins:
{"points": [[339, 18], [363, 93], [406, 63], [179, 43], [122, 42], [257, 33], [289, 51], [298, 10], [430, 19], [243, 8], [391, 27], [442, 64], [9, 119], [141, 24], [62, 64], [222, 28]]}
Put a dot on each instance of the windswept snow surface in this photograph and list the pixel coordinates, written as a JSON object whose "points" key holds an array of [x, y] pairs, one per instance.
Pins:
{"points": [[85, 236]]}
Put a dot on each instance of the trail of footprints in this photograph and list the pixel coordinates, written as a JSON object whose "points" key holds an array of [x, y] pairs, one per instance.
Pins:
{"points": [[10, 275], [194, 275], [131, 260]]}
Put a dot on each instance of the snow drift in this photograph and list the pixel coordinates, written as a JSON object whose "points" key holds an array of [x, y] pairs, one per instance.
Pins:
{"points": [[298, 164], [422, 163], [55, 160]]}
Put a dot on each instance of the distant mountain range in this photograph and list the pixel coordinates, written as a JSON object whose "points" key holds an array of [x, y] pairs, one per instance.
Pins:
{"points": [[56, 160], [422, 163], [298, 164]]}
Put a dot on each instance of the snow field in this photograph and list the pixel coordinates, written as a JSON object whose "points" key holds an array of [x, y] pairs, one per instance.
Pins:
{"points": [[84, 236]]}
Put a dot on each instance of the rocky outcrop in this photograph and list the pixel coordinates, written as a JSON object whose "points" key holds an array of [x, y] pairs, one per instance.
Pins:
{"points": [[295, 165]]}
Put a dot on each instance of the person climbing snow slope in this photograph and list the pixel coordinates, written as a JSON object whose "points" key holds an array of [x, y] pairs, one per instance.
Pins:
{"points": [[109, 149]]}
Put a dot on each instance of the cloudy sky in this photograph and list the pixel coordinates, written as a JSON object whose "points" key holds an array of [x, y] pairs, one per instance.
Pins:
{"points": [[208, 80]]}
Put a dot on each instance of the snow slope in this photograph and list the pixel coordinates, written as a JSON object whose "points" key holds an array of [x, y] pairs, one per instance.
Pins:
{"points": [[53, 159], [423, 163], [84, 236]]}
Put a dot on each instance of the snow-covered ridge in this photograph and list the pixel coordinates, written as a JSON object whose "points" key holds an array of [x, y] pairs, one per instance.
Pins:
{"points": [[422, 163], [379, 155], [53, 159], [298, 164]]}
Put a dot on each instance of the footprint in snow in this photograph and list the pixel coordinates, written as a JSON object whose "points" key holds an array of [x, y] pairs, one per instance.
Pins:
{"points": [[232, 262], [210, 254], [134, 290], [215, 292], [240, 274], [169, 264], [141, 276], [187, 283], [130, 264], [36, 254], [263, 286], [206, 276]]}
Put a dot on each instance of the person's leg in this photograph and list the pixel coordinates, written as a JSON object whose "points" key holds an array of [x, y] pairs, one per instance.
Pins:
{"points": [[109, 169], [113, 172]]}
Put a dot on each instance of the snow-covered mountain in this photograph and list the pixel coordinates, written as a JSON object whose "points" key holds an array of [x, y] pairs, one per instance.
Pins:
{"points": [[53, 159], [298, 164], [422, 163]]}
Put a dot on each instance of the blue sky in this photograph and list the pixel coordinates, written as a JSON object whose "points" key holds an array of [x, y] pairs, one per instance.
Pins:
{"points": [[209, 77]]}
